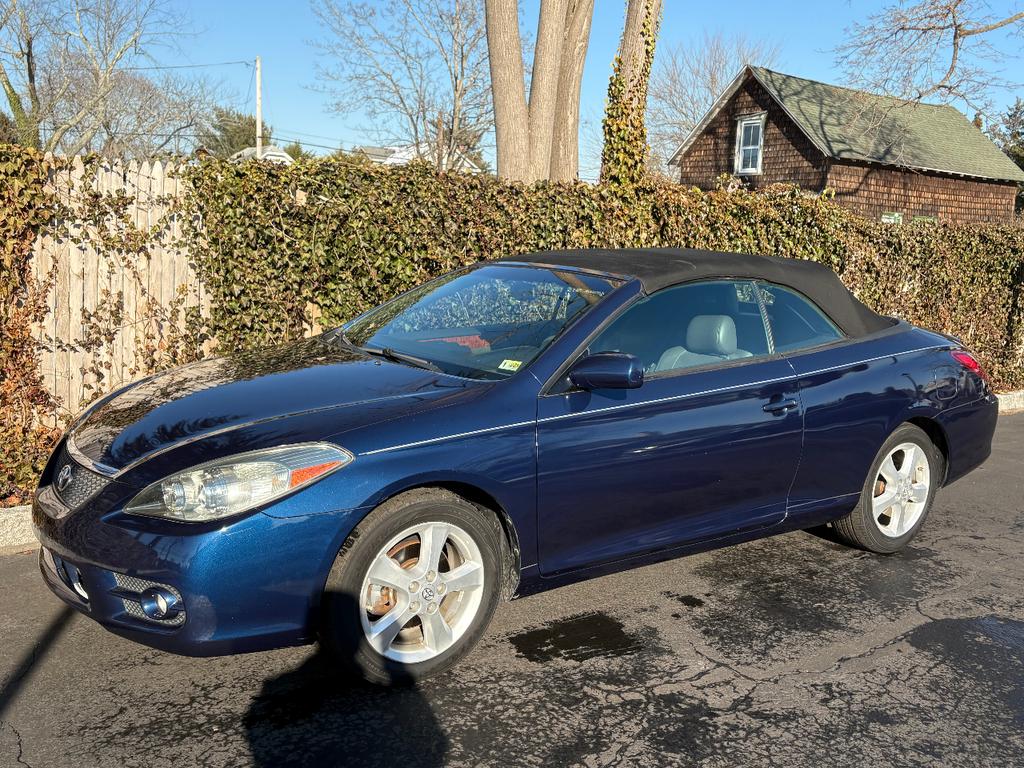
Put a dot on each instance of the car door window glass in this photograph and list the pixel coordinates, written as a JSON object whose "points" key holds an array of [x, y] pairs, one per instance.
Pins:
{"points": [[795, 321], [689, 325]]}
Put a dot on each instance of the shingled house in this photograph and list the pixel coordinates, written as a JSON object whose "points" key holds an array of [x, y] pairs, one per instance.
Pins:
{"points": [[884, 158]]}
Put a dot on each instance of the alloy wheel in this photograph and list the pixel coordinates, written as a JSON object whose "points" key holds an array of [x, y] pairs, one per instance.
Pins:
{"points": [[901, 489], [421, 592]]}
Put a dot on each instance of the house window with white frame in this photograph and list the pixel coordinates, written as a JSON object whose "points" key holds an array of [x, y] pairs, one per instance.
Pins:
{"points": [[749, 144]]}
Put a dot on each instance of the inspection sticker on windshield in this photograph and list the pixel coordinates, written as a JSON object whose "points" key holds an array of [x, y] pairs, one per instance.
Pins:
{"points": [[510, 365]]}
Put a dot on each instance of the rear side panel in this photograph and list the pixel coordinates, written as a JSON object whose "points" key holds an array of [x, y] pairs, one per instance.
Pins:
{"points": [[968, 428], [856, 394]]}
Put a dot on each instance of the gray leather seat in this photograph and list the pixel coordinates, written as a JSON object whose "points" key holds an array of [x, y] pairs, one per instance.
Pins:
{"points": [[709, 339]]}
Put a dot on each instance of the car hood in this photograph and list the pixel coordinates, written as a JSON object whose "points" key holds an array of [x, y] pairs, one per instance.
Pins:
{"points": [[225, 393]]}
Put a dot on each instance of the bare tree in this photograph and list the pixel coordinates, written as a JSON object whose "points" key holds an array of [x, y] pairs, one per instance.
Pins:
{"points": [[687, 80], [142, 116], [930, 50], [65, 64], [537, 138], [417, 67]]}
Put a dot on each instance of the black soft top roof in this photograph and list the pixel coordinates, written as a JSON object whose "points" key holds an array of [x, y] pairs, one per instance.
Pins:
{"points": [[658, 268]]}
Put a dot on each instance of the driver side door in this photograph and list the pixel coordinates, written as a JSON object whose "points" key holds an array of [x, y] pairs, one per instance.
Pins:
{"points": [[707, 447]]}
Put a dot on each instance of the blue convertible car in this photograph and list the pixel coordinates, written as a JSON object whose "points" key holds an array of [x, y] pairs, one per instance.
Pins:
{"points": [[500, 430]]}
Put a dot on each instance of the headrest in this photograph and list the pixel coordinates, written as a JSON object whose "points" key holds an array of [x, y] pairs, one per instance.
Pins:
{"points": [[711, 335]]}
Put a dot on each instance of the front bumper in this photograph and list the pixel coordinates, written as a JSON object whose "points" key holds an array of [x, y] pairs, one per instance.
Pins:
{"points": [[245, 585]]}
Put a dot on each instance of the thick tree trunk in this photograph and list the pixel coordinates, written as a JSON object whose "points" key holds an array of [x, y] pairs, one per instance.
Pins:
{"points": [[538, 139], [565, 158], [547, 59], [511, 117]]}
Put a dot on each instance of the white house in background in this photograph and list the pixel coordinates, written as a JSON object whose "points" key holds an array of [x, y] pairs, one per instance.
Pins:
{"points": [[271, 154], [402, 155]]}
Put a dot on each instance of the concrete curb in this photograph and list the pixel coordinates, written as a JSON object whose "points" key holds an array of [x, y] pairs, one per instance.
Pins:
{"points": [[1011, 402], [16, 522], [16, 530]]}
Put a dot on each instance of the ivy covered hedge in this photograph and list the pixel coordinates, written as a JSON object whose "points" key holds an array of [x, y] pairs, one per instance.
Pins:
{"points": [[281, 249], [25, 206], [283, 245]]}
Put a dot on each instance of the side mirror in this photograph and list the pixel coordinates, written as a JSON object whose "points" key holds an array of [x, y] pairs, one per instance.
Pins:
{"points": [[607, 370]]}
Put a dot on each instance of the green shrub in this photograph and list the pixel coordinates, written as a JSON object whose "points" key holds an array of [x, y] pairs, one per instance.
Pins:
{"points": [[280, 248], [25, 440], [282, 244]]}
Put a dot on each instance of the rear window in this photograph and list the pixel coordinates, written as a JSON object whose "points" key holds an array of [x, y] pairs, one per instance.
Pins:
{"points": [[796, 322]]}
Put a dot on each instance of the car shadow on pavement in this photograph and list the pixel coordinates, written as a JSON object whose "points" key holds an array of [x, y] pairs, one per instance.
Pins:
{"points": [[27, 665], [316, 715]]}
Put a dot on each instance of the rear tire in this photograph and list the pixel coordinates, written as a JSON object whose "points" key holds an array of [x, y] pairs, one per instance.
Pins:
{"points": [[413, 587], [897, 493]]}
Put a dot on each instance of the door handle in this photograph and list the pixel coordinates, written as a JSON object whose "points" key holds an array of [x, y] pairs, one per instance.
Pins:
{"points": [[780, 407]]}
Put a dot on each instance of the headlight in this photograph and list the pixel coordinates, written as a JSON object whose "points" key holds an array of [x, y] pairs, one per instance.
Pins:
{"points": [[236, 483]]}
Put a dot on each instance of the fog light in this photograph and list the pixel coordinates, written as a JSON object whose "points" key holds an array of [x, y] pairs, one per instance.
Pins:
{"points": [[159, 603]]}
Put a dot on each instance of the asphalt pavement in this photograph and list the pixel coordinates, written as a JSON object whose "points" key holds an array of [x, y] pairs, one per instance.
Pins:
{"points": [[789, 651]]}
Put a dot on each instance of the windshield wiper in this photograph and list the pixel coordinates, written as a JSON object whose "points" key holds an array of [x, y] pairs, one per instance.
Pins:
{"points": [[401, 357]]}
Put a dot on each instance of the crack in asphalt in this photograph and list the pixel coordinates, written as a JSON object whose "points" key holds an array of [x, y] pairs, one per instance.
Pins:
{"points": [[17, 736]]}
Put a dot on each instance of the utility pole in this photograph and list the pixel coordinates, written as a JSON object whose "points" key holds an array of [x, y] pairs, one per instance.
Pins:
{"points": [[259, 109]]}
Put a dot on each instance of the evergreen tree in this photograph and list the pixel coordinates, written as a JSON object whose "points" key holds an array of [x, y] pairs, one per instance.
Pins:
{"points": [[230, 131], [1008, 134]]}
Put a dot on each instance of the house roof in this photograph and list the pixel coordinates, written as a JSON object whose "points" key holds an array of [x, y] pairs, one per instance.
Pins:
{"points": [[401, 155], [847, 124], [269, 153], [657, 268]]}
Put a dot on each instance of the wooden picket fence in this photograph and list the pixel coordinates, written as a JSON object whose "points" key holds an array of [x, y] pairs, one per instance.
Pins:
{"points": [[86, 279]]}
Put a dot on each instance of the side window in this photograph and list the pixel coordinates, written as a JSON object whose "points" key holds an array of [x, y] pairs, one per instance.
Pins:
{"points": [[795, 321], [689, 325]]}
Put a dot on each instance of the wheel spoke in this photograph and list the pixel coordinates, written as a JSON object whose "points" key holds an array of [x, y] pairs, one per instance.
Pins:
{"points": [[909, 460], [386, 572], [919, 493], [903, 519], [466, 577], [883, 501], [437, 635], [895, 517], [432, 540], [384, 630], [888, 470]]}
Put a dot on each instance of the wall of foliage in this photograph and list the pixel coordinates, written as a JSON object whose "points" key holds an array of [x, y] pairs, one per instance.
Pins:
{"points": [[282, 249], [334, 237], [25, 207]]}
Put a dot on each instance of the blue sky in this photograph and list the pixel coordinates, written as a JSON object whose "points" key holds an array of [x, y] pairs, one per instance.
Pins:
{"points": [[230, 29]]}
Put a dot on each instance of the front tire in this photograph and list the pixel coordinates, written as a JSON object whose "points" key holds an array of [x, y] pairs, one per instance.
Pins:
{"points": [[413, 588], [897, 494]]}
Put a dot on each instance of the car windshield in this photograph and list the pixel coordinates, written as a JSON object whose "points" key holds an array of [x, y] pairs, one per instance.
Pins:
{"points": [[484, 322]]}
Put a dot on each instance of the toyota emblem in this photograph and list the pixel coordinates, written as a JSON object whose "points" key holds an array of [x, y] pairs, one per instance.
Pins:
{"points": [[428, 593], [64, 477]]}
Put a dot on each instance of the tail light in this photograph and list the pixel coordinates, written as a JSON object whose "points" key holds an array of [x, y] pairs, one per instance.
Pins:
{"points": [[970, 362]]}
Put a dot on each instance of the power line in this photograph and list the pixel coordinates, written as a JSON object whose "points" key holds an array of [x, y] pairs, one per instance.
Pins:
{"points": [[185, 66], [311, 135], [282, 137], [192, 135], [248, 91]]}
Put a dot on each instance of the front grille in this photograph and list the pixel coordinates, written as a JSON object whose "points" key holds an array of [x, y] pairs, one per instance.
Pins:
{"points": [[81, 486], [129, 588]]}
